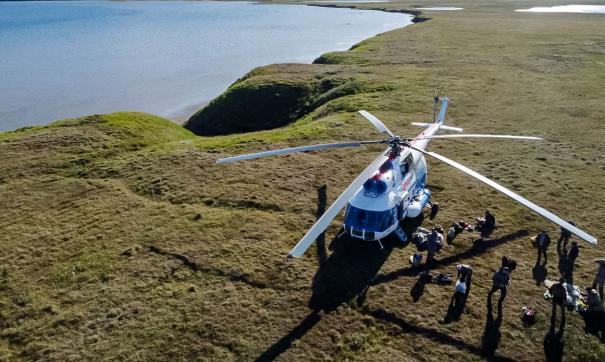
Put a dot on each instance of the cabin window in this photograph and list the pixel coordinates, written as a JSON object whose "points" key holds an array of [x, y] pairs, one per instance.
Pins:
{"points": [[406, 164]]}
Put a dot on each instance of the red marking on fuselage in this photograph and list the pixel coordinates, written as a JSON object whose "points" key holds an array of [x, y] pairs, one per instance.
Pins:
{"points": [[407, 183]]}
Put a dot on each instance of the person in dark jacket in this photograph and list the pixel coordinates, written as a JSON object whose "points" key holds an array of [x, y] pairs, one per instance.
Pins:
{"points": [[500, 281], [573, 253], [542, 243], [569, 261], [490, 220], [487, 224], [559, 295], [432, 246], [599, 279], [564, 237], [510, 263]]}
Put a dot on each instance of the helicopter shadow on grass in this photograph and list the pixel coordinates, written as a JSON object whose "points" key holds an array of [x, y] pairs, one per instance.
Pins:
{"points": [[348, 271], [343, 275], [352, 267]]}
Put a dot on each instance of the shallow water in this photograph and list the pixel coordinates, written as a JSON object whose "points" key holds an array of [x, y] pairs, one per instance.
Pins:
{"points": [[596, 9], [347, 1], [66, 59]]}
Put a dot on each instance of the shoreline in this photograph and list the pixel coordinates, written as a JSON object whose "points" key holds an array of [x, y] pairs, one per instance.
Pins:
{"points": [[110, 216], [417, 18], [182, 115]]}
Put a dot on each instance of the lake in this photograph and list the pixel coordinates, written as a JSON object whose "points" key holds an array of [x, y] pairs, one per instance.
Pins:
{"points": [[67, 59]]}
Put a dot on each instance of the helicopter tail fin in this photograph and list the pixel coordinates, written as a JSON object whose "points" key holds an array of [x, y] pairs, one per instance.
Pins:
{"points": [[442, 110], [440, 118]]}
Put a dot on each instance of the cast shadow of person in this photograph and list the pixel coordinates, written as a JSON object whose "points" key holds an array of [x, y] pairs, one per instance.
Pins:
{"points": [[594, 322], [564, 265], [553, 342], [456, 307], [539, 272], [418, 289], [491, 335]]}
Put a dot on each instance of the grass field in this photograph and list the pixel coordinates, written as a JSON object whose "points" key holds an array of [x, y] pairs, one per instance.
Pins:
{"points": [[121, 239]]}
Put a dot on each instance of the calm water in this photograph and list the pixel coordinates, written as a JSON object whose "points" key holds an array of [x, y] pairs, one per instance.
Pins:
{"points": [[66, 59]]}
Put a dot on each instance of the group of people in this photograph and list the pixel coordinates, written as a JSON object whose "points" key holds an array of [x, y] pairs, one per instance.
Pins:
{"points": [[433, 240], [589, 304], [429, 240]]}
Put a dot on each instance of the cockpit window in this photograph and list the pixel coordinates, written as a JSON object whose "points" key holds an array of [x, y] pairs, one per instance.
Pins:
{"points": [[378, 221]]}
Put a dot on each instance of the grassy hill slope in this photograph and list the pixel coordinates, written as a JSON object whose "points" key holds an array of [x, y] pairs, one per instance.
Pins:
{"points": [[121, 239]]}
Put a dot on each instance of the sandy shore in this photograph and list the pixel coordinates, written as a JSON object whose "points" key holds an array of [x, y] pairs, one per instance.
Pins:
{"points": [[181, 116]]}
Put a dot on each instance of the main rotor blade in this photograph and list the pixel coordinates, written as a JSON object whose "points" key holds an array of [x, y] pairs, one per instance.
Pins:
{"points": [[284, 151], [376, 122], [469, 135], [520, 199], [326, 219]]}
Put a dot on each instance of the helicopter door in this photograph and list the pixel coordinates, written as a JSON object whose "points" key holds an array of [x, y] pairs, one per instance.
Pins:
{"points": [[405, 202]]}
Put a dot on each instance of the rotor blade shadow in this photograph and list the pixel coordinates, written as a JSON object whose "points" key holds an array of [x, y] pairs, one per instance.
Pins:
{"points": [[476, 249], [285, 342], [407, 328]]}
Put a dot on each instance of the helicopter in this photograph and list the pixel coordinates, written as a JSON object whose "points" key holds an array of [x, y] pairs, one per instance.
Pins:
{"points": [[392, 189]]}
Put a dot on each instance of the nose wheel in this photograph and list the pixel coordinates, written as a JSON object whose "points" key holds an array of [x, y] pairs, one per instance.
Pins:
{"points": [[434, 210]]}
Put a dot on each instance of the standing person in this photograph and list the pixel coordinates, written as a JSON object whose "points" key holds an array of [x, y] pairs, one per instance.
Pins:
{"points": [[573, 253], [500, 281], [463, 288], [463, 285], [593, 301], [542, 243], [559, 295], [599, 279], [564, 237], [432, 245]]}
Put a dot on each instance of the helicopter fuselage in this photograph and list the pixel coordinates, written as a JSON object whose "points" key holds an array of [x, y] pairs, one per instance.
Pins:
{"points": [[395, 192]]}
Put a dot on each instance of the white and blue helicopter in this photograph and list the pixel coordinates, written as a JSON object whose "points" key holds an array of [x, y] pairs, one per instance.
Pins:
{"points": [[392, 188]]}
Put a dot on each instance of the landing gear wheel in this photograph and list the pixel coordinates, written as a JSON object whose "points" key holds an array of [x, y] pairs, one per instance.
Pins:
{"points": [[434, 210]]}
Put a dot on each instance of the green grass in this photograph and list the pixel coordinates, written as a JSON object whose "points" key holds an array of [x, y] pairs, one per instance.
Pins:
{"points": [[121, 239]]}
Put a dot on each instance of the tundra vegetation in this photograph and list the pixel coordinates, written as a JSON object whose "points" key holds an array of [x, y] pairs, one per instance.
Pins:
{"points": [[121, 239]]}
